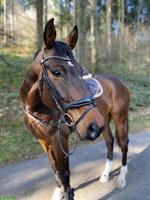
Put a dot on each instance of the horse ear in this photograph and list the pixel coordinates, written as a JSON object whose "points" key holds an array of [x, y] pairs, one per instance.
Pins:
{"points": [[72, 38], [49, 33]]}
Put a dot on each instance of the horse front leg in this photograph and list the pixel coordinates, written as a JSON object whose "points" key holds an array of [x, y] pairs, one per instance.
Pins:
{"points": [[63, 191], [61, 169], [60, 165], [62, 177]]}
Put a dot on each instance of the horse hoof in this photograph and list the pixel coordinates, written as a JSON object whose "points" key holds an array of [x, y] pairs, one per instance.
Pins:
{"points": [[104, 178], [59, 194], [121, 182], [71, 194]]}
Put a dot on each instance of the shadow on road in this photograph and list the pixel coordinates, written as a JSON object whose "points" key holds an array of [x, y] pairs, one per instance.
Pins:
{"points": [[82, 185], [113, 174]]}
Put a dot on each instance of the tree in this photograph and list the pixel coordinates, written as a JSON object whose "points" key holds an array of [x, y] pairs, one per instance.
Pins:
{"points": [[79, 20], [39, 22], [5, 22], [64, 16], [140, 2], [93, 25], [108, 28], [45, 11], [121, 19], [12, 20]]}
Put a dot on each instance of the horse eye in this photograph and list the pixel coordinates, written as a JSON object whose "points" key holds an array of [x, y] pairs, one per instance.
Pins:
{"points": [[57, 73]]}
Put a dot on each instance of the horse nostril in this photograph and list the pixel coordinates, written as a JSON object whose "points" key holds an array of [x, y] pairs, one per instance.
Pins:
{"points": [[92, 131]]}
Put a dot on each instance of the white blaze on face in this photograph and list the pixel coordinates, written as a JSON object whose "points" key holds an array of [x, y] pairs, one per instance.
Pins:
{"points": [[70, 64]]}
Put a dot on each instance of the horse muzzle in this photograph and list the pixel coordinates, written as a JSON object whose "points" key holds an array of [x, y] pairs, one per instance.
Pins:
{"points": [[93, 131]]}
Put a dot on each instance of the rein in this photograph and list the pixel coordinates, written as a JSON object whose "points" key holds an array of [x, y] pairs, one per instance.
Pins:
{"points": [[49, 124], [39, 120], [61, 106]]}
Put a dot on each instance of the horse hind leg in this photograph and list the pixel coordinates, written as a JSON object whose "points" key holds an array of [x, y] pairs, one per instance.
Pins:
{"points": [[109, 140], [122, 135]]}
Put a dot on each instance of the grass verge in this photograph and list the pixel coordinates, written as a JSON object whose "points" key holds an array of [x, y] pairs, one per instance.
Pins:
{"points": [[15, 142]]}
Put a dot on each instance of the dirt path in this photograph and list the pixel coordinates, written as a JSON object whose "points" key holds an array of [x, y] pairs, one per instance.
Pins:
{"points": [[33, 179]]}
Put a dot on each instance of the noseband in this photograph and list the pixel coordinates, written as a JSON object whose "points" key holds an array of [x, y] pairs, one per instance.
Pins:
{"points": [[61, 106]]}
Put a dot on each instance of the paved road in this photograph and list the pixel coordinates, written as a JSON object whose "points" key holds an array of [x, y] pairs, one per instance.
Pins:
{"points": [[33, 179]]}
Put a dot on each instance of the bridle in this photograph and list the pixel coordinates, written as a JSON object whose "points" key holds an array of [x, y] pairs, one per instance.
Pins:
{"points": [[61, 106], [64, 117]]}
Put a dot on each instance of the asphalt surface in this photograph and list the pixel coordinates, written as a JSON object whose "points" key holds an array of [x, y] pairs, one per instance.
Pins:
{"points": [[33, 179]]}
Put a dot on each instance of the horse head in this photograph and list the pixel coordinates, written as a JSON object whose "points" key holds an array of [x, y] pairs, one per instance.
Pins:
{"points": [[62, 87]]}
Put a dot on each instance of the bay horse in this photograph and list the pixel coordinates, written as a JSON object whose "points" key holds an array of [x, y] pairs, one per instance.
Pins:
{"points": [[56, 100]]}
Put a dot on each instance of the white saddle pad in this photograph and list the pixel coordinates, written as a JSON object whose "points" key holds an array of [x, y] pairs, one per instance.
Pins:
{"points": [[94, 87]]}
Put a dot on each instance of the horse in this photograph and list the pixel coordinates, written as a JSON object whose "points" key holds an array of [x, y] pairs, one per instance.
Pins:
{"points": [[56, 101]]}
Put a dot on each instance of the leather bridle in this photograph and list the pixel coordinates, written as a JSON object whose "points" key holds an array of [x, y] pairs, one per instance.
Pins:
{"points": [[61, 106]]}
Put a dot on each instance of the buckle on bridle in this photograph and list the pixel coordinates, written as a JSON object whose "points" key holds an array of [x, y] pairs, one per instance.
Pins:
{"points": [[42, 61], [68, 120]]}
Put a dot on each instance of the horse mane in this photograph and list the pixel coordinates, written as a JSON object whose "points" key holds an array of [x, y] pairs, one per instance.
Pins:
{"points": [[36, 53]]}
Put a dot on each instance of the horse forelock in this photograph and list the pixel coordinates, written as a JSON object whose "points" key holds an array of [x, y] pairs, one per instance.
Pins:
{"points": [[62, 49]]}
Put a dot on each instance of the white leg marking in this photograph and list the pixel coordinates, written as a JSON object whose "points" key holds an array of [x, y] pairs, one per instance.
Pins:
{"points": [[105, 175], [59, 194], [121, 180]]}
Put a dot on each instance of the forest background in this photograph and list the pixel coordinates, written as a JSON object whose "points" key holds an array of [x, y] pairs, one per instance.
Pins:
{"points": [[114, 37]]}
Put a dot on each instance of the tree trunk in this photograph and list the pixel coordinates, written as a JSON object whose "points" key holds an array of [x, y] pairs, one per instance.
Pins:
{"points": [[79, 19], [108, 29], [5, 22], [45, 11], [121, 11], [68, 10], [93, 31], [12, 21], [39, 22], [122, 19], [61, 19], [140, 2]]}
